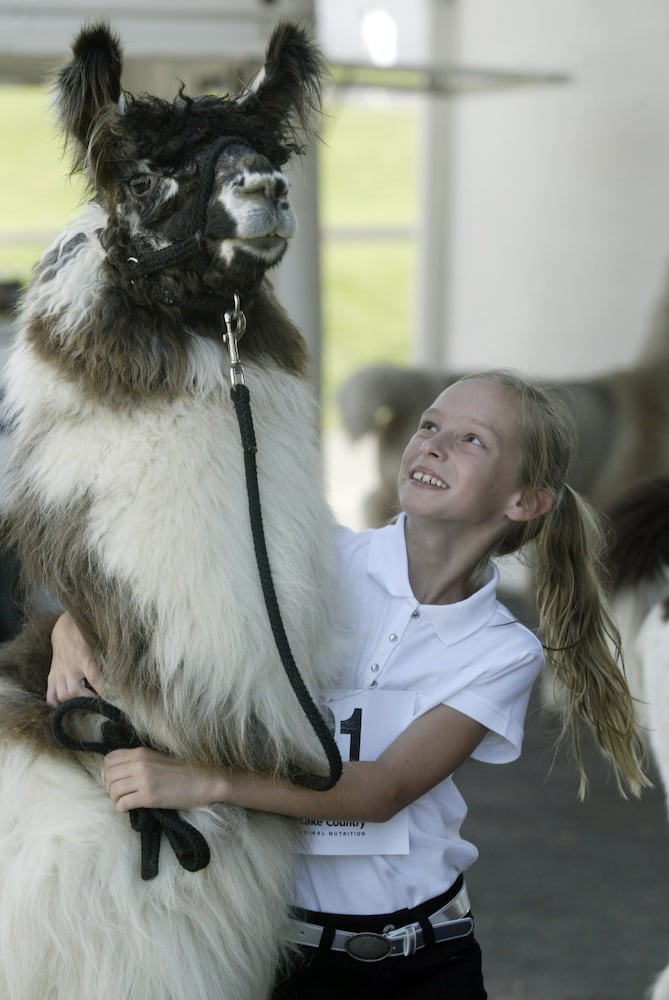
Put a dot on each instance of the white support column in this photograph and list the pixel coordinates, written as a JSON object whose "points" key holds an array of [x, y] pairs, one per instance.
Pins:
{"points": [[297, 280], [431, 337]]}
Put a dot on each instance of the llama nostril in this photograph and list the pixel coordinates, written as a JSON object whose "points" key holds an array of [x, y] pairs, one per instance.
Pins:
{"points": [[280, 189], [272, 186]]}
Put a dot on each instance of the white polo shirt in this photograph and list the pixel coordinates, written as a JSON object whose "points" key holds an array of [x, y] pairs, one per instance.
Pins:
{"points": [[472, 656]]}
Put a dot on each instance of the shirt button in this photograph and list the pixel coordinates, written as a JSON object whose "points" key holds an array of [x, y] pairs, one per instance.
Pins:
{"points": [[392, 637], [375, 667]]}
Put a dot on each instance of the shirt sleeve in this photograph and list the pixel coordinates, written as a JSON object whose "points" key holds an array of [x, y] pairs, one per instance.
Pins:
{"points": [[498, 700]]}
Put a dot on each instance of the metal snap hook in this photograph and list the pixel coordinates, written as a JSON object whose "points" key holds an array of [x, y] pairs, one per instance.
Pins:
{"points": [[235, 327], [237, 318]]}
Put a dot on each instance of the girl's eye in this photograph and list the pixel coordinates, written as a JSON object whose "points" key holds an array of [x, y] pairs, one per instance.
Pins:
{"points": [[427, 425], [475, 439], [141, 184]]}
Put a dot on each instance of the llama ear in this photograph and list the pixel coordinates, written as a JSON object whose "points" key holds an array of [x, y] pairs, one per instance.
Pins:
{"points": [[287, 90], [91, 82]]}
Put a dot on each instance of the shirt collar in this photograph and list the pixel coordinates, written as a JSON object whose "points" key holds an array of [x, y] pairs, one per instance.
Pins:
{"points": [[387, 565]]}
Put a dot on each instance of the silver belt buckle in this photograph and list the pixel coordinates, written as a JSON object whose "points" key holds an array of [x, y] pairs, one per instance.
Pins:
{"points": [[368, 947]]}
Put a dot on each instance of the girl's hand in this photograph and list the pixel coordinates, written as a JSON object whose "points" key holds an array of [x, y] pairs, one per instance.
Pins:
{"points": [[74, 671], [145, 778]]}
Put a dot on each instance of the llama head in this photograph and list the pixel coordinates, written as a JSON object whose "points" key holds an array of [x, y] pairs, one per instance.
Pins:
{"points": [[196, 204]]}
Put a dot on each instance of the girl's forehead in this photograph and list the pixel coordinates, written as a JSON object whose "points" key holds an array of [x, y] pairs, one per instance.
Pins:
{"points": [[476, 394], [481, 403]]}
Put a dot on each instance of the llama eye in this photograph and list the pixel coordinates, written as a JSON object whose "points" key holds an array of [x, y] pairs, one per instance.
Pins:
{"points": [[141, 183]]}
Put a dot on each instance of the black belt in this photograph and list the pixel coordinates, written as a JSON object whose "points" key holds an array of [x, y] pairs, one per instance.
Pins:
{"points": [[448, 923]]}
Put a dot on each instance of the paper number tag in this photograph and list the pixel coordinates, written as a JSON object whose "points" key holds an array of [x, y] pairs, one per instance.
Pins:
{"points": [[363, 724]]}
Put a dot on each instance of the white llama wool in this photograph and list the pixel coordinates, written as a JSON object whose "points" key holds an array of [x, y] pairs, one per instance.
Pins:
{"points": [[128, 504]]}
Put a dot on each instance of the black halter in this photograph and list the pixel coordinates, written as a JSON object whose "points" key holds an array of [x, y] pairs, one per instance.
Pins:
{"points": [[192, 246]]}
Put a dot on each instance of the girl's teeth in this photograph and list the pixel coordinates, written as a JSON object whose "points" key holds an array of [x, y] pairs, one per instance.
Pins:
{"points": [[429, 480]]}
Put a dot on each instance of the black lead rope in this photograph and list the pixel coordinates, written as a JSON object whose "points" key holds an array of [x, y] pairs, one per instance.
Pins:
{"points": [[321, 783], [188, 844]]}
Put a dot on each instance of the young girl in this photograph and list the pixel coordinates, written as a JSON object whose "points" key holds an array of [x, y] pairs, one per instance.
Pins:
{"points": [[442, 672]]}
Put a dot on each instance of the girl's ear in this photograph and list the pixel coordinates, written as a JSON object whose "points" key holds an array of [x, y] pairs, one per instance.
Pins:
{"points": [[533, 502]]}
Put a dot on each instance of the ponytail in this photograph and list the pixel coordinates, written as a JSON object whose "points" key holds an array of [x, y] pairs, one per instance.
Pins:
{"points": [[581, 641]]}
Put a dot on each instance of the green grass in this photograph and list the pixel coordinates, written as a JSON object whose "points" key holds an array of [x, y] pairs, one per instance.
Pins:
{"points": [[367, 178], [367, 169], [36, 193], [368, 165], [367, 300]]}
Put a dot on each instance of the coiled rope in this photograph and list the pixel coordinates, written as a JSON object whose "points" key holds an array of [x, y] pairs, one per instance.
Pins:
{"points": [[117, 733]]}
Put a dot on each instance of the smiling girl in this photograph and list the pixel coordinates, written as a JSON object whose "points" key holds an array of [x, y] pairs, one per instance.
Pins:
{"points": [[441, 672]]}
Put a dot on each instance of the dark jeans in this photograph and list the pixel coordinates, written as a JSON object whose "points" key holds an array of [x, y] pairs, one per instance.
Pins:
{"points": [[447, 971]]}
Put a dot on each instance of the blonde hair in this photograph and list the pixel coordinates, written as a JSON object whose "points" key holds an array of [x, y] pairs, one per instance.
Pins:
{"points": [[580, 639]]}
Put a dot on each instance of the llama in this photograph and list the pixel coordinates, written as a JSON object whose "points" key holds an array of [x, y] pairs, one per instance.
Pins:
{"points": [[621, 418], [127, 505], [640, 560]]}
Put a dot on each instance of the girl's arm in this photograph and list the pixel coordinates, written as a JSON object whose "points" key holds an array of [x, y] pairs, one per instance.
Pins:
{"points": [[430, 749], [73, 671]]}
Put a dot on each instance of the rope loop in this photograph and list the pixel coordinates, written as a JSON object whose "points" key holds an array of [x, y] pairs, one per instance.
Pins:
{"points": [[117, 733]]}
